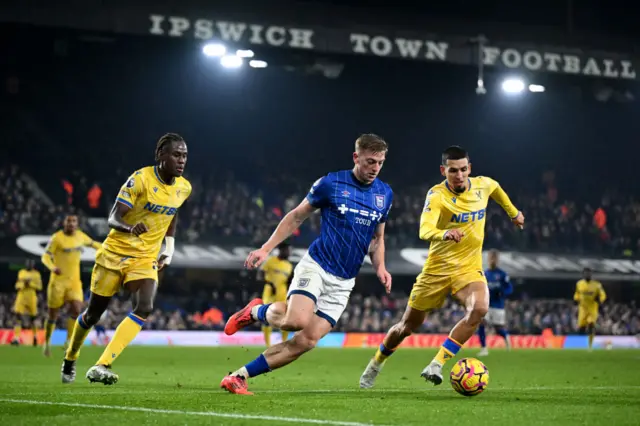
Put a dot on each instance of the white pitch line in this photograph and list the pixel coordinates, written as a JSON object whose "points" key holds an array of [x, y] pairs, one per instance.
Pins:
{"points": [[190, 413]]}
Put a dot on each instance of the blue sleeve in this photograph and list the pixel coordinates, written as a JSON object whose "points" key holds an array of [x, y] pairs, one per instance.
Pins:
{"points": [[319, 194], [385, 216], [507, 287]]}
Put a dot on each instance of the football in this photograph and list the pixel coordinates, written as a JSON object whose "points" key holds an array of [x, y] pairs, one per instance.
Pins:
{"points": [[469, 377]]}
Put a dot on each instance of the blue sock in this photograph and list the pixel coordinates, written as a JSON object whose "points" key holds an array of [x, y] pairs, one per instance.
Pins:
{"points": [[483, 336], [262, 313], [258, 366], [502, 332]]}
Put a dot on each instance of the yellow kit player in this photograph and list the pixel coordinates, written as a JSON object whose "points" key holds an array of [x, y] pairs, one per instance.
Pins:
{"points": [[276, 273], [589, 295], [145, 213], [62, 257], [453, 220], [26, 305]]}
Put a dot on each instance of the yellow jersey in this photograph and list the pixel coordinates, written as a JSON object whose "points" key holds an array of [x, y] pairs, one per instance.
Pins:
{"points": [[277, 271], [63, 252], [29, 282], [589, 294], [444, 210], [152, 202]]}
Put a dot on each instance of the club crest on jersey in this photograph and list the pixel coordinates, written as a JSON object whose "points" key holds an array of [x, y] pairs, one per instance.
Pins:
{"points": [[379, 201], [303, 282]]}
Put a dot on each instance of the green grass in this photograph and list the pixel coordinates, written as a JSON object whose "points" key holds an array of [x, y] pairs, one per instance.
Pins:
{"points": [[526, 387]]}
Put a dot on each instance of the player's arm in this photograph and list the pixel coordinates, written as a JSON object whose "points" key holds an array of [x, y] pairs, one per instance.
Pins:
{"points": [[576, 295], [429, 230], [602, 295], [20, 282], [129, 193], [169, 244], [376, 253], [47, 258], [507, 286], [38, 282], [499, 196], [289, 223]]}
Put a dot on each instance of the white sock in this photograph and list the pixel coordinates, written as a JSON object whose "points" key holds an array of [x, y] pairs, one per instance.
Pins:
{"points": [[254, 312], [241, 372]]}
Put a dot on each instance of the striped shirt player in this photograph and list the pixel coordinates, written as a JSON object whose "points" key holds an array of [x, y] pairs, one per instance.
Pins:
{"points": [[500, 287], [354, 205]]}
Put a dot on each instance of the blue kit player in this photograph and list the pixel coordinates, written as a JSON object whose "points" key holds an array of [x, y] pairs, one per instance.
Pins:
{"points": [[354, 205], [499, 288]]}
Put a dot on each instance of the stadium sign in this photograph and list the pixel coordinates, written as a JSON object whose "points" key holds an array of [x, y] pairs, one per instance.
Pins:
{"points": [[377, 44], [407, 261], [260, 26]]}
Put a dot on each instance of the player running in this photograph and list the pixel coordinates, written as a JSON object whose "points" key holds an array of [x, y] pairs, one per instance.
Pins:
{"points": [[499, 288], [276, 273], [26, 304], [62, 257], [145, 213], [453, 221], [354, 205], [589, 295]]}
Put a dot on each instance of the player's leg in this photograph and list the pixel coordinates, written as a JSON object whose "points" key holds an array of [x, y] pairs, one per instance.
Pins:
{"points": [[591, 320], [104, 284], [281, 296], [428, 293], [475, 298], [499, 319], [74, 300], [267, 298], [279, 355], [34, 328], [55, 300], [482, 335], [17, 326], [411, 320]]}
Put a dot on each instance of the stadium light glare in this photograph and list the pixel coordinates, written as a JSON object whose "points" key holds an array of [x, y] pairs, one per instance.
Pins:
{"points": [[255, 63], [513, 85], [231, 61], [536, 88], [244, 53], [214, 49]]}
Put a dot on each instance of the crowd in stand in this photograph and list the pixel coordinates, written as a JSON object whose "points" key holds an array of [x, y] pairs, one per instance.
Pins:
{"points": [[368, 313], [224, 206]]}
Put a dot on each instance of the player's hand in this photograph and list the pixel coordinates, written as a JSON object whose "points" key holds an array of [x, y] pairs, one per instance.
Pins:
{"points": [[163, 262], [519, 220], [256, 258], [385, 278], [139, 229], [57, 271], [454, 235]]}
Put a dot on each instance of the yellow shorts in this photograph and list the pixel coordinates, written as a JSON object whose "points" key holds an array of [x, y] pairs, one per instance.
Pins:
{"points": [[587, 317], [112, 271], [61, 291], [270, 296], [430, 291], [26, 306]]}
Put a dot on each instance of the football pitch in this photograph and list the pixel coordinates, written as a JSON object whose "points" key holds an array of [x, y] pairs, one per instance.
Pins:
{"points": [[177, 385]]}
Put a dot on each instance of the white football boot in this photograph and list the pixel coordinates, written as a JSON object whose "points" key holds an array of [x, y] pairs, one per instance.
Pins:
{"points": [[368, 378], [483, 352], [101, 374], [433, 373]]}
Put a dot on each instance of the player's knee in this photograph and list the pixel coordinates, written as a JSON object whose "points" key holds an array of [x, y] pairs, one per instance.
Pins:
{"points": [[405, 329], [477, 313], [294, 323], [143, 308], [91, 318], [303, 343]]}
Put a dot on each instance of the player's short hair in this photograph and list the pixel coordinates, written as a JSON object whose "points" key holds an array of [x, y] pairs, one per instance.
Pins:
{"points": [[454, 152], [284, 244], [166, 140], [372, 143]]}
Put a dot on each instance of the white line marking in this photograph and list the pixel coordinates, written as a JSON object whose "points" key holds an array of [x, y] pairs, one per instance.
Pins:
{"points": [[190, 413]]}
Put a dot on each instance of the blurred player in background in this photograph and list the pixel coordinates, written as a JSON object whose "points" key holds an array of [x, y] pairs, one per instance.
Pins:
{"points": [[276, 273], [354, 205], [145, 213], [499, 288], [453, 220], [62, 257], [589, 295], [26, 305]]}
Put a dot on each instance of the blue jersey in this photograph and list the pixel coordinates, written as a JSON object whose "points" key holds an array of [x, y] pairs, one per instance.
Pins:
{"points": [[499, 287], [351, 211]]}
